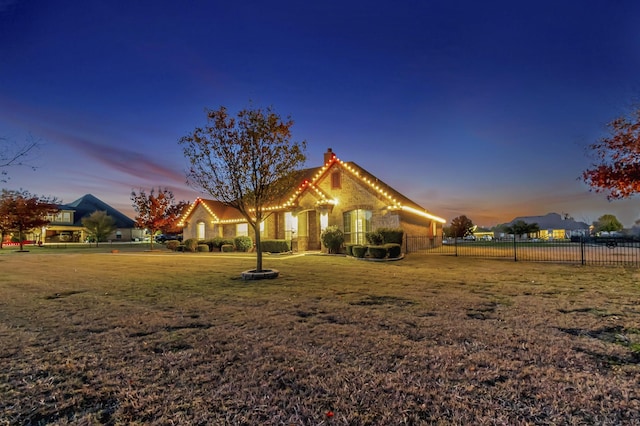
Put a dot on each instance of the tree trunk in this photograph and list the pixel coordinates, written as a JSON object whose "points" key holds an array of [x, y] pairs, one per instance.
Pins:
{"points": [[20, 237], [258, 249]]}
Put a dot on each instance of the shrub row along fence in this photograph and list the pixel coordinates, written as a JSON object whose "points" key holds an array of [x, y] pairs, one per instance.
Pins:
{"points": [[584, 251]]}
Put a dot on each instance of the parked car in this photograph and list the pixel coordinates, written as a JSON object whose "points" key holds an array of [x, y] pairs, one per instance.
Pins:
{"points": [[161, 238]]}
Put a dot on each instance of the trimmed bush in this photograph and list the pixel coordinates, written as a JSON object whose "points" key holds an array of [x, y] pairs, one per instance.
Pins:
{"points": [[359, 251], [378, 252], [226, 248], [172, 245], [391, 235], [332, 238], [217, 242], [275, 246], [243, 243], [374, 238], [190, 244], [394, 250], [203, 248], [349, 248]]}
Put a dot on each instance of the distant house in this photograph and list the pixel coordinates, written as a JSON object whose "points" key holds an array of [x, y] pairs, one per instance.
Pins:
{"points": [[553, 226], [66, 225], [339, 193]]}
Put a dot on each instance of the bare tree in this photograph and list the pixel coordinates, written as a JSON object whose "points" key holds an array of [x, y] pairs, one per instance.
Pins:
{"points": [[14, 154], [245, 162]]}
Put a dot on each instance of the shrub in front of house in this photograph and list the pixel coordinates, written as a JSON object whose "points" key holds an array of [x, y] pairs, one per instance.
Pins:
{"points": [[243, 243], [190, 244], [374, 238], [359, 251], [394, 250], [348, 248], [275, 246], [332, 238], [172, 244], [391, 235], [204, 248], [226, 248], [217, 242], [378, 252]]}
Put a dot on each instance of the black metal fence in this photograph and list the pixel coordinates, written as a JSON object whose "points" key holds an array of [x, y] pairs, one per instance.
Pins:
{"points": [[584, 251]]}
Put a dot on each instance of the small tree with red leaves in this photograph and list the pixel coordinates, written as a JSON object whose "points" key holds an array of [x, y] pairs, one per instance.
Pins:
{"points": [[617, 169], [156, 212], [21, 211]]}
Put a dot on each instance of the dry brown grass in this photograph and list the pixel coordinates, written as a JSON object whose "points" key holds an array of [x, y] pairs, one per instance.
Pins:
{"points": [[173, 338]]}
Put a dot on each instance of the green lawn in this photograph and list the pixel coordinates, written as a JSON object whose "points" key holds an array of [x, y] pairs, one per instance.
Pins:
{"points": [[92, 337]]}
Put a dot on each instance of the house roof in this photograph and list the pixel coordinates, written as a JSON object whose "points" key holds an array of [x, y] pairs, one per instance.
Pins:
{"points": [[217, 209], [394, 198], [88, 204], [308, 179], [552, 221]]}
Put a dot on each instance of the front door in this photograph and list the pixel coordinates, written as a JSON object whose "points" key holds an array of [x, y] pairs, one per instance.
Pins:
{"points": [[313, 230]]}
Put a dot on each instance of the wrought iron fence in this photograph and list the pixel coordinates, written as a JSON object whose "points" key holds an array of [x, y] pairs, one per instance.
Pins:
{"points": [[585, 251]]}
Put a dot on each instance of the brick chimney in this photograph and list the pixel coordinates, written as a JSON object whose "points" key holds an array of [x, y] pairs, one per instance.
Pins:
{"points": [[328, 156]]}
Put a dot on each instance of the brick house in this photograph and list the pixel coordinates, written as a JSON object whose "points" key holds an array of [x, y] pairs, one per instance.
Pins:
{"points": [[339, 193]]}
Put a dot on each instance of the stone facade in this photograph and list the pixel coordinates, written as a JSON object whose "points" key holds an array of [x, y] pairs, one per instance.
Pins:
{"points": [[327, 197]]}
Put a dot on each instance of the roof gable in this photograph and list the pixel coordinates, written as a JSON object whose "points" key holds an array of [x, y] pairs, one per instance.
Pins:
{"points": [[219, 211], [87, 204], [389, 195]]}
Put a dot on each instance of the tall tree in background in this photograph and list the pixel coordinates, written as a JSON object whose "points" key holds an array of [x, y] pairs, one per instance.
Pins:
{"points": [[14, 154], [99, 225], [245, 162], [520, 228], [608, 223], [617, 169], [22, 211], [156, 211], [461, 226]]}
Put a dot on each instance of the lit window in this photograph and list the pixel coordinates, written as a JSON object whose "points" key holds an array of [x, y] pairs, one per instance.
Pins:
{"points": [[242, 230], [290, 225], [356, 224], [324, 221], [200, 231]]}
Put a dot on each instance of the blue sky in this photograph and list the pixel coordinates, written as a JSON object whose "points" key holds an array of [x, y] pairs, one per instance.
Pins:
{"points": [[476, 108]]}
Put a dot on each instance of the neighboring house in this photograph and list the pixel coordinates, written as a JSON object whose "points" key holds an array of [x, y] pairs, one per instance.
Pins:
{"points": [[66, 225], [553, 226], [339, 193]]}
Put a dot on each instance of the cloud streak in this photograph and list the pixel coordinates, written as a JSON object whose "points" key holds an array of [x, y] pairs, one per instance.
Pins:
{"points": [[125, 160]]}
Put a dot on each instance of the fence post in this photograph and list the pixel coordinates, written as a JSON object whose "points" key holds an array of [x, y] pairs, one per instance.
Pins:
{"points": [[582, 260], [406, 244], [515, 249]]}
